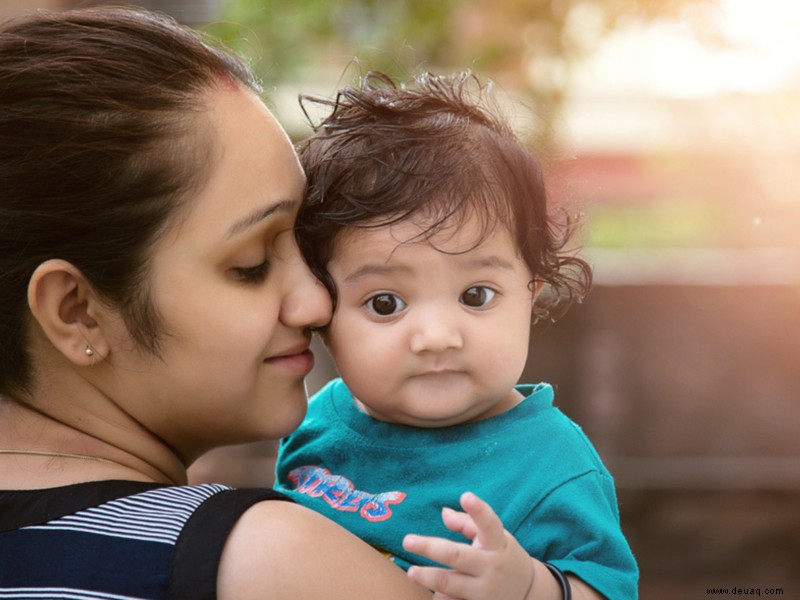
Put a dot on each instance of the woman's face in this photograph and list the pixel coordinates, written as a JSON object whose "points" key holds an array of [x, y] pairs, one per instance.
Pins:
{"points": [[234, 295]]}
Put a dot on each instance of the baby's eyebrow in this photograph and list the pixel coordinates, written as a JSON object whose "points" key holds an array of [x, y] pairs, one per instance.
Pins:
{"points": [[375, 269], [383, 269], [492, 262]]}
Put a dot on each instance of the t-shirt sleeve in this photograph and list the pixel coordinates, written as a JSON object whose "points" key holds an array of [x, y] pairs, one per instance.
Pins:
{"points": [[199, 548], [577, 529]]}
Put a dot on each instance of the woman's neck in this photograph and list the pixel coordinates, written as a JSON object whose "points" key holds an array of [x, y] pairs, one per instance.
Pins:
{"points": [[39, 447]]}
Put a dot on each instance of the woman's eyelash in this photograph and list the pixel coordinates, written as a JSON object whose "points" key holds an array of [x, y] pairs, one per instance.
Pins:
{"points": [[252, 274]]}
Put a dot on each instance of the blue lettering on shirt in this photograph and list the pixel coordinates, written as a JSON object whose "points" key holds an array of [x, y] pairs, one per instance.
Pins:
{"points": [[340, 493]]}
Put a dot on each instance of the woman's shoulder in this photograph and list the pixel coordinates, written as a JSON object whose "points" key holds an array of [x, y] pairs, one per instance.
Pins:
{"points": [[284, 550]]}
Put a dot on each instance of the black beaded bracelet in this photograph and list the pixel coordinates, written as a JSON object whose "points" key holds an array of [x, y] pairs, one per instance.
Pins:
{"points": [[562, 581]]}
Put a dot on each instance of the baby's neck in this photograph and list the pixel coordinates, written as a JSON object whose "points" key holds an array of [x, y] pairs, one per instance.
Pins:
{"points": [[512, 399]]}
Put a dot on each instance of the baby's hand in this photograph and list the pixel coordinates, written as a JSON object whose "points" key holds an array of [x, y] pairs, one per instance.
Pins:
{"points": [[493, 566]]}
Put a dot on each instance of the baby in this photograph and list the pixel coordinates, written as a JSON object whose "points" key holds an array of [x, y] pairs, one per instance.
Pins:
{"points": [[427, 219]]}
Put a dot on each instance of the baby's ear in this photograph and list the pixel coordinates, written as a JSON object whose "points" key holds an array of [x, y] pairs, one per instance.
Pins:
{"points": [[66, 306], [536, 288]]}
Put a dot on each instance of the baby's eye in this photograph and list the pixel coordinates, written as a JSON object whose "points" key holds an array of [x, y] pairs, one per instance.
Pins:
{"points": [[385, 304], [477, 296]]}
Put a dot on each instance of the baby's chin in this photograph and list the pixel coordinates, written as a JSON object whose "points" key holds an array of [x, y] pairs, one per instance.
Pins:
{"points": [[426, 419]]}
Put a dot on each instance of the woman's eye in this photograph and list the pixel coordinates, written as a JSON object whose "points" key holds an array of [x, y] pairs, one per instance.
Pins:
{"points": [[385, 304], [254, 274], [477, 296]]}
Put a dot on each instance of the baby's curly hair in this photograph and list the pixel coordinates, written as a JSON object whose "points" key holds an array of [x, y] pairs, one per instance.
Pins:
{"points": [[435, 148]]}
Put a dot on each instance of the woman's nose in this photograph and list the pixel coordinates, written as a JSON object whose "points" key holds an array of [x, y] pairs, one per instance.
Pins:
{"points": [[307, 302]]}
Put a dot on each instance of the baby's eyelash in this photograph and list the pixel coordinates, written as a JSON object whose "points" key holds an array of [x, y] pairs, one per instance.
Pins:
{"points": [[385, 304], [478, 296]]}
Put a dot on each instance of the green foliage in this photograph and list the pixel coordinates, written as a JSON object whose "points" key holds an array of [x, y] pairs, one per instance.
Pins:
{"points": [[289, 39], [277, 37]]}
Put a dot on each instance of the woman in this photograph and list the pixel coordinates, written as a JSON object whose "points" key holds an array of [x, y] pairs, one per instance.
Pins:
{"points": [[153, 305]]}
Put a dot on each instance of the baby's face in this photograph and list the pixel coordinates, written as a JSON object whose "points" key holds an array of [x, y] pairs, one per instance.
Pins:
{"points": [[430, 332]]}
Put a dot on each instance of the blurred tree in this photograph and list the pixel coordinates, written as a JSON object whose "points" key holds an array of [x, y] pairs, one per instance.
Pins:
{"points": [[14, 8], [527, 45]]}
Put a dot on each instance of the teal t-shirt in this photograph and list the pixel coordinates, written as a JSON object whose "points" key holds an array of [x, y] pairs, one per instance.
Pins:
{"points": [[532, 464]]}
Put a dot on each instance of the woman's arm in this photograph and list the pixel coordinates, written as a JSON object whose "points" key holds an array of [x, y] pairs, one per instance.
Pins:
{"points": [[282, 550]]}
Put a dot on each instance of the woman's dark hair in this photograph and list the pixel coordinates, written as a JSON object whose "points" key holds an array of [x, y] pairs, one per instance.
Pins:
{"points": [[100, 140], [438, 148]]}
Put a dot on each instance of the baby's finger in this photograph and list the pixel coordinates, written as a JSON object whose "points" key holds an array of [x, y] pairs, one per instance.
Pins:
{"points": [[459, 522], [446, 584], [461, 557], [490, 533]]}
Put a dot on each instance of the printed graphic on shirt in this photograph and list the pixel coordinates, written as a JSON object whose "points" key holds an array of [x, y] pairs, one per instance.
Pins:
{"points": [[341, 494]]}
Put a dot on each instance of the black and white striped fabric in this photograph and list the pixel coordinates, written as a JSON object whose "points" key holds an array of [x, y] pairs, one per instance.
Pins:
{"points": [[156, 516], [117, 540]]}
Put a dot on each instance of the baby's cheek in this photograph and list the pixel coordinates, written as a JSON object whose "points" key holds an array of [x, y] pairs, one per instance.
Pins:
{"points": [[505, 360], [367, 376]]}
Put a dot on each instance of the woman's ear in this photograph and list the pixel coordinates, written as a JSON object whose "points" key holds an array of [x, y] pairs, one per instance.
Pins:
{"points": [[66, 307]]}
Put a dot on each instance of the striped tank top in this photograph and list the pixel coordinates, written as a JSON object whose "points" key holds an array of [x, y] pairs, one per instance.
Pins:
{"points": [[117, 540]]}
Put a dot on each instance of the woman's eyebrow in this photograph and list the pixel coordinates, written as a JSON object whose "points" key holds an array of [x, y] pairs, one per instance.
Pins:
{"points": [[258, 215]]}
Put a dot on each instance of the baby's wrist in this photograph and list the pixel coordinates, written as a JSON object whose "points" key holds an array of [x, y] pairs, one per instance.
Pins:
{"points": [[548, 583], [563, 582]]}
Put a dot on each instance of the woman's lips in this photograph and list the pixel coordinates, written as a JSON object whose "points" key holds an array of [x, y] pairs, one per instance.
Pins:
{"points": [[298, 362]]}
